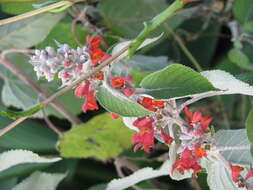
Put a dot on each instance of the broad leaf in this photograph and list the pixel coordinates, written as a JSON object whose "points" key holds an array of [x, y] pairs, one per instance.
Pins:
{"points": [[116, 102], [16, 8], [174, 81], [234, 138], [28, 32], [249, 126], [19, 162], [29, 135], [40, 181], [101, 137]]}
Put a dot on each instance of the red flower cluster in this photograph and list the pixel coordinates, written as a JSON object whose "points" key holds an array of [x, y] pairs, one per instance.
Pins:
{"points": [[145, 137], [95, 52], [189, 160], [84, 90], [151, 104], [197, 122], [236, 175], [123, 83]]}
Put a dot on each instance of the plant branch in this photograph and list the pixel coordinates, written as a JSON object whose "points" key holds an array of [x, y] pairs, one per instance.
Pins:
{"points": [[21, 75], [225, 148], [50, 124], [71, 86], [38, 11], [12, 125], [151, 25]]}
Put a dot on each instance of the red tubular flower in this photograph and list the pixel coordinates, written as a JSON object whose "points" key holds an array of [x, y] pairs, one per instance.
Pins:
{"points": [[94, 43], [236, 170], [117, 82], [158, 103], [151, 104], [199, 152], [90, 102], [187, 162], [82, 90], [249, 174], [197, 121], [145, 137], [167, 139]]}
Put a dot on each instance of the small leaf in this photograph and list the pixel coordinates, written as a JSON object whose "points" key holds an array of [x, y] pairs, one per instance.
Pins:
{"points": [[28, 32], [19, 162], [249, 126], [116, 102], [174, 81], [233, 138], [40, 181], [240, 59], [101, 137]]}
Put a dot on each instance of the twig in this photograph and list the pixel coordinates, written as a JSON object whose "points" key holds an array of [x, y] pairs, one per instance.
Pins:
{"points": [[50, 124], [36, 12], [195, 184], [12, 125], [71, 86], [225, 148], [21, 75]]}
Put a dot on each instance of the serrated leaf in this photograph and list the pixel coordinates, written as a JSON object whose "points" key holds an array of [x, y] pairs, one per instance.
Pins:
{"points": [[19, 162], [101, 137], [249, 126], [240, 59], [227, 83], [233, 138], [28, 32], [40, 181], [174, 81], [127, 17], [116, 102], [243, 11]]}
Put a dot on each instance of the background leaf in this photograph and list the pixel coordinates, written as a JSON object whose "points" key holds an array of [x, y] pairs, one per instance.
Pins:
{"points": [[249, 126], [101, 137], [28, 32], [16, 8], [19, 162], [40, 181], [243, 11]]}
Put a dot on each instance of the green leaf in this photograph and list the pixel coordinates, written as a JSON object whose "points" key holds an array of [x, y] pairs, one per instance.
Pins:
{"points": [[249, 126], [8, 184], [240, 59], [248, 27], [28, 32], [16, 8], [16, 93], [19, 162], [232, 138], [101, 137], [243, 11], [42, 138], [40, 181], [116, 102], [63, 34], [126, 17], [218, 177], [175, 81]]}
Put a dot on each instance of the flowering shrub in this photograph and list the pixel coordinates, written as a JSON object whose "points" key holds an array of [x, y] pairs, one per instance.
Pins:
{"points": [[160, 110]]}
